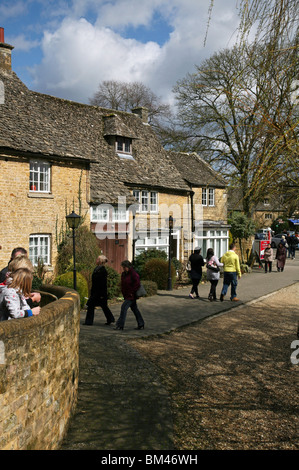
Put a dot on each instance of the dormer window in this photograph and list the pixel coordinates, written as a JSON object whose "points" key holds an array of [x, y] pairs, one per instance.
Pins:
{"points": [[124, 147], [124, 144]]}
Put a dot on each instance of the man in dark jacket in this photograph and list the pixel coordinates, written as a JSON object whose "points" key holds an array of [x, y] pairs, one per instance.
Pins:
{"points": [[15, 252], [197, 262], [98, 295], [130, 283]]}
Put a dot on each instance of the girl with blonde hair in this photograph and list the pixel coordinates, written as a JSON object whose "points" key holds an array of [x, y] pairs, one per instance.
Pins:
{"points": [[22, 261], [13, 296]]}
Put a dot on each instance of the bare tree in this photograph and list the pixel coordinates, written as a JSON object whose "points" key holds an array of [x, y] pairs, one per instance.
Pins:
{"points": [[237, 108], [124, 96]]}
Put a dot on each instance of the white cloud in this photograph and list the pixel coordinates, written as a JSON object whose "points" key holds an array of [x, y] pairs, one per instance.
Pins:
{"points": [[9, 10], [80, 54], [22, 44]]}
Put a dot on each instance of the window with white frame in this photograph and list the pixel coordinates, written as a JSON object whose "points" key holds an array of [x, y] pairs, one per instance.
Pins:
{"points": [[147, 243], [102, 213], [120, 214], [154, 201], [39, 179], [148, 200], [208, 197], [39, 249], [99, 214], [211, 197], [268, 216], [216, 239], [204, 196], [124, 144]]}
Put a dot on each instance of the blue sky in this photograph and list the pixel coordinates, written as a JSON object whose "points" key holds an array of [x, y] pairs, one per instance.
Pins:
{"points": [[65, 48]]}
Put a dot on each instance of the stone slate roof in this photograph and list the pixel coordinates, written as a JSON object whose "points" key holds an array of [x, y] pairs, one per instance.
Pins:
{"points": [[32, 123], [196, 171]]}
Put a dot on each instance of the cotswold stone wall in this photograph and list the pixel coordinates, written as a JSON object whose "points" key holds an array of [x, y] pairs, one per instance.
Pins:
{"points": [[39, 366]]}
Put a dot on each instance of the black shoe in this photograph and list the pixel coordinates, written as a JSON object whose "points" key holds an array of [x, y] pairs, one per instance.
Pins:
{"points": [[210, 298], [140, 327], [119, 328], [221, 297], [109, 322]]}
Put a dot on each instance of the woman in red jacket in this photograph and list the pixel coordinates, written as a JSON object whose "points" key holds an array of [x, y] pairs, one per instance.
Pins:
{"points": [[130, 283]]}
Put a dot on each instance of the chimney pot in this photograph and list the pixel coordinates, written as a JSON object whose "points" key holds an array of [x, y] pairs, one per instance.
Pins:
{"points": [[5, 53]]}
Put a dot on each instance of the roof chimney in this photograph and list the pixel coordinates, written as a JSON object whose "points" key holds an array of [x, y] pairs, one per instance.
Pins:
{"points": [[142, 113], [5, 53]]}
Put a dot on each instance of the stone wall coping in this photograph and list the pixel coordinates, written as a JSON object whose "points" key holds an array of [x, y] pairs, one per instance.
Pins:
{"points": [[66, 296]]}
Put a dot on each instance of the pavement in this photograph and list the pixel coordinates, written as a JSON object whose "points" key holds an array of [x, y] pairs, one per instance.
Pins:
{"points": [[122, 403]]}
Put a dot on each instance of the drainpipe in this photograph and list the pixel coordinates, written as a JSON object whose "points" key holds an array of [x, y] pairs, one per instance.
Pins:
{"points": [[192, 216]]}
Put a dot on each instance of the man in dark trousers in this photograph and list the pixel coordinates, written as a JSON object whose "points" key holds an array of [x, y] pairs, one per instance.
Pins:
{"points": [[197, 262], [98, 295]]}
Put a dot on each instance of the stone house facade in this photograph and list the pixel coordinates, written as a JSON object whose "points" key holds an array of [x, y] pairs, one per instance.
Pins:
{"points": [[208, 217], [57, 155]]}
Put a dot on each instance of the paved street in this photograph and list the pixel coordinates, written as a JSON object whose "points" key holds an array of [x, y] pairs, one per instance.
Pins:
{"points": [[122, 404]]}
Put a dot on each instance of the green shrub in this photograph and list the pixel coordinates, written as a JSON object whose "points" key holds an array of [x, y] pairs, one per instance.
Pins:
{"points": [[66, 280], [36, 283], [145, 256], [156, 270], [87, 251], [150, 287], [113, 283]]}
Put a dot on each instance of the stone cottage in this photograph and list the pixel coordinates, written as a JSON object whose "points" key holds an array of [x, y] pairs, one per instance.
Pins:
{"points": [[57, 155]]}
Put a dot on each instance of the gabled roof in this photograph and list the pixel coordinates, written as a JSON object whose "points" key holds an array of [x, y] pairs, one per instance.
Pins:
{"points": [[36, 124], [196, 171]]}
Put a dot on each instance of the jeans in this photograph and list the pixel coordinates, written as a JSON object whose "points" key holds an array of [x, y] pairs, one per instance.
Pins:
{"points": [[230, 279], [123, 313]]}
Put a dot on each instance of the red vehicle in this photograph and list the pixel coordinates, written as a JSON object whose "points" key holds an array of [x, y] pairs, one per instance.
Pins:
{"points": [[262, 240]]}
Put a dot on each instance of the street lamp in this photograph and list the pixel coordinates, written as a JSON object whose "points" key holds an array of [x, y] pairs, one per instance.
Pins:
{"points": [[73, 221], [170, 221]]}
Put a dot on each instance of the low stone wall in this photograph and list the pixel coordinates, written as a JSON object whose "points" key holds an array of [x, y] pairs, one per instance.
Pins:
{"points": [[39, 369]]}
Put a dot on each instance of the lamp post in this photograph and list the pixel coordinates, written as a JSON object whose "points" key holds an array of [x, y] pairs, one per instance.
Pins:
{"points": [[73, 221], [170, 221]]}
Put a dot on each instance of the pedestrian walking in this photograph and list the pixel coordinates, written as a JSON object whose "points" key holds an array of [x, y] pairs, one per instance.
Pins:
{"points": [[130, 283], [281, 254], [293, 242], [196, 262], [232, 272], [268, 258], [99, 293], [213, 273]]}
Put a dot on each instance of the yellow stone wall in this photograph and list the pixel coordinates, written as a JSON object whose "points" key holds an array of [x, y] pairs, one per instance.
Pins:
{"points": [[216, 212], [23, 213]]}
